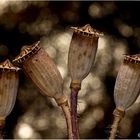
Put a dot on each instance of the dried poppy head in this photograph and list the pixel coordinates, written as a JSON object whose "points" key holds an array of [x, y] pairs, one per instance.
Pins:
{"points": [[127, 86], [37, 64], [82, 53], [127, 89], [8, 88]]}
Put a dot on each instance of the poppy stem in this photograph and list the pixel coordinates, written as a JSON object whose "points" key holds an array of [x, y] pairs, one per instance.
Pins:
{"points": [[114, 127], [74, 94], [66, 109], [118, 115]]}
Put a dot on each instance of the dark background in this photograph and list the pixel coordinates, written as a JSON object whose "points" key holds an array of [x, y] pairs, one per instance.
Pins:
{"points": [[36, 116]]}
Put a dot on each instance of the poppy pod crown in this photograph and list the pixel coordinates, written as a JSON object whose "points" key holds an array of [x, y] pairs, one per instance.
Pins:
{"points": [[27, 52], [132, 58], [82, 53], [37, 64], [127, 86], [8, 88], [8, 66], [87, 30]]}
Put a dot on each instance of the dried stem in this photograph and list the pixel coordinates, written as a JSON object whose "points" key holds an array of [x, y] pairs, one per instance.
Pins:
{"points": [[74, 94], [114, 127], [66, 110]]}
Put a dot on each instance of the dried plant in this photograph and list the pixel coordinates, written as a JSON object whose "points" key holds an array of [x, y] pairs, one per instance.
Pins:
{"points": [[37, 64], [8, 89], [81, 56], [127, 88]]}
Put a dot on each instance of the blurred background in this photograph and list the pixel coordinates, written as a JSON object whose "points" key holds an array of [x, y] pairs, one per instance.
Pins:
{"points": [[37, 116]]}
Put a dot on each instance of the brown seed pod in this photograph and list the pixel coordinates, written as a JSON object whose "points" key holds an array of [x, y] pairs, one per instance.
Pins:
{"points": [[127, 86], [127, 89], [37, 64], [81, 56], [41, 69], [82, 52], [8, 88]]}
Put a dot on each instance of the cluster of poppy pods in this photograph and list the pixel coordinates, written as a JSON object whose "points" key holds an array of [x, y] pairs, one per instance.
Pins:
{"points": [[41, 69]]}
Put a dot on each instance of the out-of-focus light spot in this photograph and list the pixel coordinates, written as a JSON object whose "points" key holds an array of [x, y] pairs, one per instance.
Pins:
{"points": [[62, 40], [87, 124], [42, 124], [25, 131], [18, 6], [28, 118], [4, 2], [39, 27], [60, 122], [96, 83], [123, 28], [90, 82], [95, 97], [3, 6], [98, 114], [62, 71], [95, 10], [119, 50], [81, 106], [45, 26], [51, 51], [102, 43], [91, 119], [126, 30]]}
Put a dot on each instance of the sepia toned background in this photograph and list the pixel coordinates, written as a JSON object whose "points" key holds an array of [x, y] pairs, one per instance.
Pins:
{"points": [[37, 116]]}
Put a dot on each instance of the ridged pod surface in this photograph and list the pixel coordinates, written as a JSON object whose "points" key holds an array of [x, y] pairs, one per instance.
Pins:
{"points": [[8, 87], [82, 51], [37, 64], [127, 86]]}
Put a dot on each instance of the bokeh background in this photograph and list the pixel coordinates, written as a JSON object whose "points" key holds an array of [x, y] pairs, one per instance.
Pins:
{"points": [[37, 116]]}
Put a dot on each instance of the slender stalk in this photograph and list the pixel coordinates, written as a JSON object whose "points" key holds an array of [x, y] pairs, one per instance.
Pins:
{"points": [[66, 110], [75, 130], [114, 127]]}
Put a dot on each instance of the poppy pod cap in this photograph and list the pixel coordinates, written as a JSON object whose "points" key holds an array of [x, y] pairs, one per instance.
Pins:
{"points": [[8, 88], [27, 52], [127, 86], [37, 64], [82, 52]]}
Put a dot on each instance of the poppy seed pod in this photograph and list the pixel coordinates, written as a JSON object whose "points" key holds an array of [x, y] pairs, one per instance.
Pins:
{"points": [[8, 88], [81, 56], [127, 88], [37, 64], [82, 53]]}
